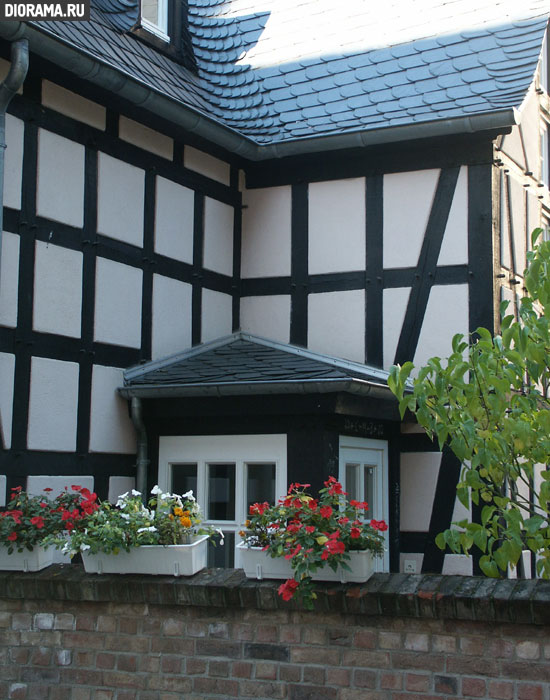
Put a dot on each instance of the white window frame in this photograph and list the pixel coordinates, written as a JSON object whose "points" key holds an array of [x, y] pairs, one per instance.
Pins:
{"points": [[160, 29], [240, 450]]}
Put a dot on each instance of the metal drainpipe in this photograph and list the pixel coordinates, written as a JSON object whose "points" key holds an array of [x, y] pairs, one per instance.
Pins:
{"points": [[142, 462], [8, 88]]}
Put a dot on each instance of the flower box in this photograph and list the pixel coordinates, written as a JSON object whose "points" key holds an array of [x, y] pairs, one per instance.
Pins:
{"points": [[154, 559], [38, 559], [259, 564]]}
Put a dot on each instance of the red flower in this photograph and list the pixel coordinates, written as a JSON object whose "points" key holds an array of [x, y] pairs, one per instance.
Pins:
{"points": [[334, 486], [65, 515], [312, 505], [294, 552], [43, 505], [48, 489], [287, 589], [38, 520], [17, 488], [310, 529], [363, 505], [16, 515], [326, 511], [355, 533], [76, 488], [378, 525], [296, 486], [12, 536], [257, 508], [343, 521], [294, 527]]}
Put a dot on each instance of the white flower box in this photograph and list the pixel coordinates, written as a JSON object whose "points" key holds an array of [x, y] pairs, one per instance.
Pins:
{"points": [[154, 559], [259, 565], [38, 559]]}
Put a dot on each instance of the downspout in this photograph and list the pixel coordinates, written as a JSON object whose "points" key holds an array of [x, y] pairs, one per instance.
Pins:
{"points": [[8, 88], [142, 461]]}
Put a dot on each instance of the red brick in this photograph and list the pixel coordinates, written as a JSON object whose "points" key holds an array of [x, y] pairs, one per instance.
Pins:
{"points": [[473, 687], [17, 691], [268, 633], [417, 683], [528, 650], [391, 681], [118, 679], [291, 634], [128, 625], [180, 685], [314, 674], [241, 669], [447, 685], [195, 667], [266, 671], [465, 666], [85, 622], [414, 660], [389, 640], [149, 664], [104, 694], [41, 656], [364, 679], [290, 673], [525, 670], [172, 627], [218, 669], [256, 689], [105, 660], [126, 662], [365, 639], [81, 677], [21, 621], [171, 664], [473, 646], [530, 691], [218, 686], [310, 655], [338, 676], [19, 655], [417, 642], [501, 690], [106, 623]]}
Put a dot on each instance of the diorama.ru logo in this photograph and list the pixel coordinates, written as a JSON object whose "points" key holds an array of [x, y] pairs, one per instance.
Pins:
{"points": [[60, 10]]}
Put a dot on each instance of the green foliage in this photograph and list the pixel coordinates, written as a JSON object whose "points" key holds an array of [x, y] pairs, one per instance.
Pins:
{"points": [[489, 403]]}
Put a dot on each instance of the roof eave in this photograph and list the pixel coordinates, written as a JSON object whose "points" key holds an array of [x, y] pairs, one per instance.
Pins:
{"points": [[99, 73]]}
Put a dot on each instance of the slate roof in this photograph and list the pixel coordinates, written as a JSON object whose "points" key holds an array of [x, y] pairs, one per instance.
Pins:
{"points": [[243, 363], [281, 70]]}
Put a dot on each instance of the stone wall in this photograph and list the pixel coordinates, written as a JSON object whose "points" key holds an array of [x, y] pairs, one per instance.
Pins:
{"points": [[67, 635]]}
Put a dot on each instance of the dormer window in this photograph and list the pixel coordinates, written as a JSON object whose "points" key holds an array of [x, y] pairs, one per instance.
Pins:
{"points": [[154, 17]]}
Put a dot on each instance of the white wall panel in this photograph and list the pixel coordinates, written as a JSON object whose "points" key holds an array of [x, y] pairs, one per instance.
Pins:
{"points": [[266, 232], [337, 226], [216, 315], [120, 200], [408, 200], [7, 374], [446, 315], [57, 484], [119, 485], [394, 307], [267, 316], [207, 165], [218, 236], [171, 316], [53, 405], [336, 324], [143, 137], [3, 487], [118, 304], [9, 279], [13, 164], [457, 564], [174, 220], [57, 303], [454, 248], [60, 187], [72, 105], [419, 472], [111, 429]]}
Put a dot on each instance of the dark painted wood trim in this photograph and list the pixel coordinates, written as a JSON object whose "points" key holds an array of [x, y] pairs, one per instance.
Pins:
{"points": [[413, 542], [417, 442], [149, 265], [237, 251], [198, 250], [299, 265], [374, 331]]}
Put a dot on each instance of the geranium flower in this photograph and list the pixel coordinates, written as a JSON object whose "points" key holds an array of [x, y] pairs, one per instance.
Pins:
{"points": [[47, 489], [287, 589], [355, 533], [38, 521], [379, 525], [12, 536], [326, 511], [310, 529]]}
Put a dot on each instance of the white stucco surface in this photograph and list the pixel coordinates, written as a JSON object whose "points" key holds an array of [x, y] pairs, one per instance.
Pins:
{"points": [[72, 105], [419, 472], [7, 374], [118, 304], [13, 163], [36, 484], [9, 279], [171, 316], [454, 248], [337, 226], [57, 303], [60, 185], [119, 485], [206, 165], [111, 429], [216, 315], [394, 307], [336, 324], [53, 405], [143, 137], [408, 200], [120, 198], [267, 316], [266, 232], [457, 564], [218, 236], [174, 220]]}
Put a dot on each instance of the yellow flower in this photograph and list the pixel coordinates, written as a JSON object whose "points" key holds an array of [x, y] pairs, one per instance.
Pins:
{"points": [[185, 512], [322, 540], [171, 516], [178, 511], [185, 521], [247, 523]]}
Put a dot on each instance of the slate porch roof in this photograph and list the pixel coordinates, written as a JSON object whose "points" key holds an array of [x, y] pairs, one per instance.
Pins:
{"points": [[246, 364], [281, 71]]}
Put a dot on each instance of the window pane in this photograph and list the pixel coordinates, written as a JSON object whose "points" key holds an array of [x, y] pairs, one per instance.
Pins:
{"points": [[260, 484], [221, 492], [352, 487], [184, 478], [222, 557], [150, 11], [369, 496]]}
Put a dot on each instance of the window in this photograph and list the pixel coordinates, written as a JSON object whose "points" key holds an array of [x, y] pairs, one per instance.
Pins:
{"points": [[543, 75], [226, 473], [154, 17], [544, 156]]}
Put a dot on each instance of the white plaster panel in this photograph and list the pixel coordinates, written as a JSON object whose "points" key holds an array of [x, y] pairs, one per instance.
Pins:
{"points": [[454, 247], [120, 200], [7, 374], [460, 512], [505, 259], [530, 127], [72, 105], [337, 226], [457, 564], [174, 220], [408, 200], [267, 316], [419, 472], [533, 215], [53, 405], [13, 164], [57, 303], [511, 145], [266, 232], [57, 484], [446, 315], [418, 559], [9, 279], [218, 236], [4, 70], [394, 307], [60, 186], [336, 324], [119, 485], [517, 195], [144, 137], [171, 316], [206, 165], [118, 304], [217, 315], [3, 487], [111, 428]]}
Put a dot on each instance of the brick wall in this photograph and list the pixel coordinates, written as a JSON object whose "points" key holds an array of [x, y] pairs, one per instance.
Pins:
{"points": [[66, 636]]}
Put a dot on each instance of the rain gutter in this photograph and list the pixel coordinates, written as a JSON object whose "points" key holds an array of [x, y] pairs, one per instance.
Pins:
{"points": [[142, 458], [87, 68]]}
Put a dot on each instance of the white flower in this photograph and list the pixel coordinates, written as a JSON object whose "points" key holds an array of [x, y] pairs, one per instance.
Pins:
{"points": [[147, 529], [84, 547], [125, 516], [155, 490], [220, 533], [188, 496], [136, 493]]}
